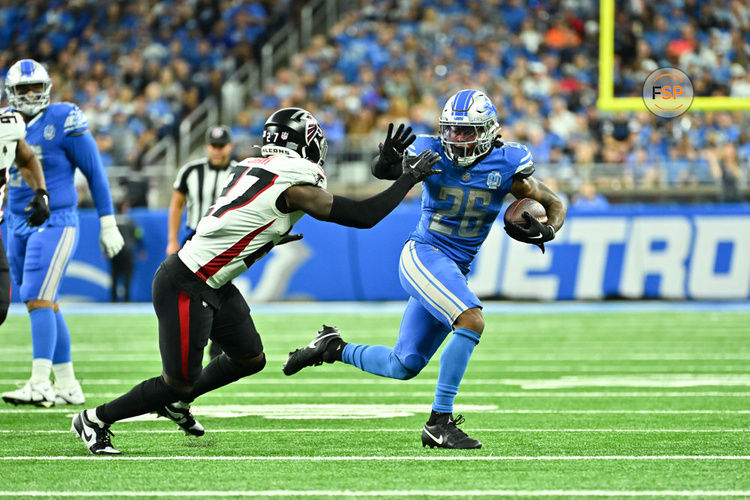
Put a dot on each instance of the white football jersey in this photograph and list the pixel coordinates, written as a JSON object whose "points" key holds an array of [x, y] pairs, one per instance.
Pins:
{"points": [[12, 129], [244, 223]]}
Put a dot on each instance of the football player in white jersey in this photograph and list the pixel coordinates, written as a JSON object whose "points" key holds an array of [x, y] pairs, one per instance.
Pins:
{"points": [[193, 295], [13, 147]]}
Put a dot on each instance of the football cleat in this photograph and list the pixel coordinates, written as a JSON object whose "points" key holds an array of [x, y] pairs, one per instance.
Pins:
{"points": [[315, 353], [69, 395], [95, 436], [179, 413], [37, 394], [446, 434]]}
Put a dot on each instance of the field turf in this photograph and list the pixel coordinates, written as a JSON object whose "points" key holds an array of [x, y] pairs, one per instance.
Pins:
{"points": [[567, 405]]}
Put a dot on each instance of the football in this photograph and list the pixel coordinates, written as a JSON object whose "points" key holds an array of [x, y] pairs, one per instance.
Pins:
{"points": [[514, 212]]}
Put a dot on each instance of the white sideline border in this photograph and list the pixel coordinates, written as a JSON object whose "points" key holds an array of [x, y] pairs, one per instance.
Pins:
{"points": [[397, 307], [418, 458], [315, 430], [383, 493]]}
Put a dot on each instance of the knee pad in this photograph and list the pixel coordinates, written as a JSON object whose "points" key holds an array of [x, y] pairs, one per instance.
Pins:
{"points": [[244, 367], [178, 387], [408, 367]]}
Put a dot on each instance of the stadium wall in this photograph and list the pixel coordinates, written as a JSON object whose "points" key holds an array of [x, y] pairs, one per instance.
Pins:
{"points": [[654, 252]]}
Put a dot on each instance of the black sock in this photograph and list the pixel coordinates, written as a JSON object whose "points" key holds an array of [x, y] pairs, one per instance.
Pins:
{"points": [[439, 418], [335, 349], [143, 398], [218, 373]]}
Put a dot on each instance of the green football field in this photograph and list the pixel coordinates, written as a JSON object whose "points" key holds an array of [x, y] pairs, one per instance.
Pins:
{"points": [[575, 404]]}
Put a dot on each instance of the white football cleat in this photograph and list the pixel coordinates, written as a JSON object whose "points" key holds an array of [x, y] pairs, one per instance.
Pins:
{"points": [[37, 394], [69, 395]]}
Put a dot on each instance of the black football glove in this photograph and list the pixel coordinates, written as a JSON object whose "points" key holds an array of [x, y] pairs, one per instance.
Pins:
{"points": [[289, 238], [388, 165], [536, 234], [420, 167], [39, 208]]}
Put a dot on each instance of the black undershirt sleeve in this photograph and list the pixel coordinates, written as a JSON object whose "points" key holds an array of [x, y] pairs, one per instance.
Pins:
{"points": [[383, 170], [366, 213]]}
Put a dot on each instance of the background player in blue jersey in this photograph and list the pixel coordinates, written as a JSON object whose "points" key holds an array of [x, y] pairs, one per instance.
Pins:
{"points": [[58, 134], [459, 206]]}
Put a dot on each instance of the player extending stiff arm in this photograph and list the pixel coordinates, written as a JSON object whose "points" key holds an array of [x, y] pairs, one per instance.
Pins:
{"points": [[194, 297], [58, 134], [458, 209], [13, 147]]}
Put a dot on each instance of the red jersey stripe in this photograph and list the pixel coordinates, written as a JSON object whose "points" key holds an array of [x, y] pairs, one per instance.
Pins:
{"points": [[221, 260]]}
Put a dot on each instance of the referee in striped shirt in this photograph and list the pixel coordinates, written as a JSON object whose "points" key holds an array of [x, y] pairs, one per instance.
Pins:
{"points": [[198, 184]]}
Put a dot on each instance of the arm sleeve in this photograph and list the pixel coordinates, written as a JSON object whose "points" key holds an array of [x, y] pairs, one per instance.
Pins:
{"points": [[366, 213], [84, 154], [384, 170]]}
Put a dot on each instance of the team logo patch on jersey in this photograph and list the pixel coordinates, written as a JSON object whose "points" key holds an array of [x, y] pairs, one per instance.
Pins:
{"points": [[466, 177], [49, 132], [494, 180]]}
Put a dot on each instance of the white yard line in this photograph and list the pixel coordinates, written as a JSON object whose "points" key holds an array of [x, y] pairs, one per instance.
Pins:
{"points": [[464, 394], [461, 458], [383, 493], [302, 430], [257, 409]]}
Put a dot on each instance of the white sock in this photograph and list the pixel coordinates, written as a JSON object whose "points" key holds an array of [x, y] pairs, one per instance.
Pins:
{"points": [[40, 370], [91, 415], [64, 375]]}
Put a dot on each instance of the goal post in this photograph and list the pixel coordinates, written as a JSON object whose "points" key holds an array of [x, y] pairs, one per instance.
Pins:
{"points": [[607, 100]]}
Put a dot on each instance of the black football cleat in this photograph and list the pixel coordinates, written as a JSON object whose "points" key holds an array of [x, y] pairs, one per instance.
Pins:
{"points": [[94, 435], [446, 434], [316, 352], [179, 413]]}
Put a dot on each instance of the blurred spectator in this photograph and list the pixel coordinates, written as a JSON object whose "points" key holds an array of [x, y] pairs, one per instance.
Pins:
{"points": [[588, 198], [151, 62]]}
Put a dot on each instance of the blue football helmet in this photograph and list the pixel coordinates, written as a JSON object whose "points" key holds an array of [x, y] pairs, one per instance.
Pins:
{"points": [[468, 126], [27, 72]]}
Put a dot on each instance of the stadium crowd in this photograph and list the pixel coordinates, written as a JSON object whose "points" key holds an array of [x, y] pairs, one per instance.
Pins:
{"points": [[138, 68]]}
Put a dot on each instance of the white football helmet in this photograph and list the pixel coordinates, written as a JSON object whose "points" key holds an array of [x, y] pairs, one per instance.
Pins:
{"points": [[467, 126], [27, 72]]}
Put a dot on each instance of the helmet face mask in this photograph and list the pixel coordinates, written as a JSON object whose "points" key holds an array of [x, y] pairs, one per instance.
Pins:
{"points": [[296, 133], [28, 87], [467, 127]]}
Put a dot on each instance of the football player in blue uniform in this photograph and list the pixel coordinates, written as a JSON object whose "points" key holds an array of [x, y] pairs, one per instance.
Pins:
{"points": [[459, 206], [58, 133]]}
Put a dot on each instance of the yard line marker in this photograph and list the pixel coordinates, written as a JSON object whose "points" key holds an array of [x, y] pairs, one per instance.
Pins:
{"points": [[462, 458], [464, 394], [315, 430], [235, 410], [385, 493]]}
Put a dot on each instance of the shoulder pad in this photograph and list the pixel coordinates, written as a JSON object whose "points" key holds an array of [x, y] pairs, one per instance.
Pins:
{"points": [[72, 118], [519, 156], [291, 170], [12, 126]]}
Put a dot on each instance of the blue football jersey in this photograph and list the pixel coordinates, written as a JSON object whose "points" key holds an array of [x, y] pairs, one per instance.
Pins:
{"points": [[50, 135], [460, 204]]}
